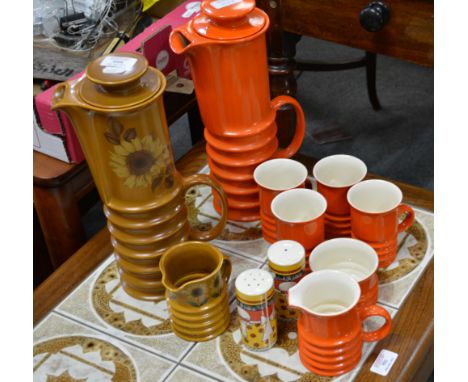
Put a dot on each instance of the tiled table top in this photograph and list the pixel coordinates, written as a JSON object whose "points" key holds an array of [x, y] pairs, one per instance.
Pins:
{"points": [[99, 333]]}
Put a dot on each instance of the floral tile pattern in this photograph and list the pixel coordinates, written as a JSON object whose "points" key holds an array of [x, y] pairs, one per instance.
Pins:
{"points": [[99, 332], [68, 352], [102, 303]]}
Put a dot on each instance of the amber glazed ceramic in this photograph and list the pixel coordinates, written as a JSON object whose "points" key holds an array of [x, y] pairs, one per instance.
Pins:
{"points": [[196, 276], [226, 49], [354, 257], [376, 210], [329, 328], [117, 111], [335, 175], [273, 177], [299, 216]]}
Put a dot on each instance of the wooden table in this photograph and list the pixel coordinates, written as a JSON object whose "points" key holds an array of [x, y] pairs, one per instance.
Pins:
{"points": [[412, 335], [408, 35], [59, 186]]}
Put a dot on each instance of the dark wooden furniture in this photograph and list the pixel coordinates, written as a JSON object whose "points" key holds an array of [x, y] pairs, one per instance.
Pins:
{"points": [[59, 186], [412, 335], [405, 31]]}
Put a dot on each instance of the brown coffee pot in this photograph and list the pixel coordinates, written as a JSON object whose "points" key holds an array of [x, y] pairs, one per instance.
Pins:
{"points": [[117, 111]]}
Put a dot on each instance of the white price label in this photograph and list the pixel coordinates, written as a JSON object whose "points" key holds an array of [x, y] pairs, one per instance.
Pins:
{"points": [[117, 65], [384, 362], [219, 4]]}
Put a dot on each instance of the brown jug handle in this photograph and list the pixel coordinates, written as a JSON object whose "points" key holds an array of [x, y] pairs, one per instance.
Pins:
{"points": [[227, 268], [296, 142], [218, 228]]}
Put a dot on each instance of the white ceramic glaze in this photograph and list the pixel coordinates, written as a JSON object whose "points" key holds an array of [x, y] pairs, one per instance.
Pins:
{"points": [[298, 205], [339, 170], [374, 196], [325, 293], [280, 174], [354, 257]]}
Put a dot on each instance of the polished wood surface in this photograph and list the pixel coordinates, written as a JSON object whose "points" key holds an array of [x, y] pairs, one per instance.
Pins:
{"points": [[412, 335], [58, 186], [409, 34]]}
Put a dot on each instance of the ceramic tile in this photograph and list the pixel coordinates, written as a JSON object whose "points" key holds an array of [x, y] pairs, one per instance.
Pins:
{"points": [[67, 351], [243, 238], [224, 358], [101, 303], [416, 249], [183, 374]]}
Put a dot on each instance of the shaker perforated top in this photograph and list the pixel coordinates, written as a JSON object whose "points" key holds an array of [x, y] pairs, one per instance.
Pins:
{"points": [[253, 284], [286, 254], [229, 19]]}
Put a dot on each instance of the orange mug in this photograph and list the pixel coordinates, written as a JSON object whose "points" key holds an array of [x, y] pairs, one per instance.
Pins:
{"points": [[354, 257], [329, 328], [375, 211], [273, 177], [299, 216], [335, 175]]}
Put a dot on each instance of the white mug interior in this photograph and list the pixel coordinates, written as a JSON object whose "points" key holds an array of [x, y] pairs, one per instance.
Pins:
{"points": [[280, 174], [339, 170], [325, 293], [354, 257], [298, 205], [374, 196]]}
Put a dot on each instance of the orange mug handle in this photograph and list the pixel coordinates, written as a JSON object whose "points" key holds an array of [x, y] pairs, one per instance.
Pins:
{"points": [[296, 142], [227, 269], [409, 219], [218, 228], [376, 335], [310, 183]]}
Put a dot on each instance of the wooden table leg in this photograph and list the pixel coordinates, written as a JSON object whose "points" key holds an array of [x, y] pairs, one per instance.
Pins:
{"points": [[58, 211]]}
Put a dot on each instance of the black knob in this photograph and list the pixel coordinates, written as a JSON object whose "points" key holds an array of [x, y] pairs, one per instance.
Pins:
{"points": [[374, 17]]}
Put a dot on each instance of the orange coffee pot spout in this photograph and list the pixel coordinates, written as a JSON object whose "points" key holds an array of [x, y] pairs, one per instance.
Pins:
{"points": [[183, 39]]}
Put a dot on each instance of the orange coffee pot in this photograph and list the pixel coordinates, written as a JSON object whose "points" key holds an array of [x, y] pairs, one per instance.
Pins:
{"points": [[226, 49], [118, 114]]}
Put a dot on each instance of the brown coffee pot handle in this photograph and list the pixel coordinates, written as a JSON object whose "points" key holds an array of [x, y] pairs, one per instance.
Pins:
{"points": [[296, 142], [227, 269], [218, 228]]}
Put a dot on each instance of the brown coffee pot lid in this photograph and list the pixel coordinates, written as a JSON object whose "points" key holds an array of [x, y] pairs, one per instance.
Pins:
{"points": [[229, 19], [118, 81]]}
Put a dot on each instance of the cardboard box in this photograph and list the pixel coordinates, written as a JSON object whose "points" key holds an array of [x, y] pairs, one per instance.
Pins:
{"points": [[54, 131]]}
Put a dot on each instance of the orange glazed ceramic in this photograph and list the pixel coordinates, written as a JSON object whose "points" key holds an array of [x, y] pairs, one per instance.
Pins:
{"points": [[354, 257], [375, 213], [335, 175], [117, 111], [299, 216], [273, 177], [329, 327], [226, 49], [196, 277]]}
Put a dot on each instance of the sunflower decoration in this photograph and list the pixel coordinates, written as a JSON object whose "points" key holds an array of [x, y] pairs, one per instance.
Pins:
{"points": [[141, 162]]}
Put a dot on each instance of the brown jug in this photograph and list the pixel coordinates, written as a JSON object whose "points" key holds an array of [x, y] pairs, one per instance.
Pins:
{"points": [[196, 277], [117, 111], [226, 48]]}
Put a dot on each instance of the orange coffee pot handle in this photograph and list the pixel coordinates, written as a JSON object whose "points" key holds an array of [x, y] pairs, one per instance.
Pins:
{"points": [[218, 228], [409, 218], [296, 142], [227, 269], [376, 335]]}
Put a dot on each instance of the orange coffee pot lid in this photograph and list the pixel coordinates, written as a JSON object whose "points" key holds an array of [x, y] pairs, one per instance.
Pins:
{"points": [[119, 81], [229, 19]]}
